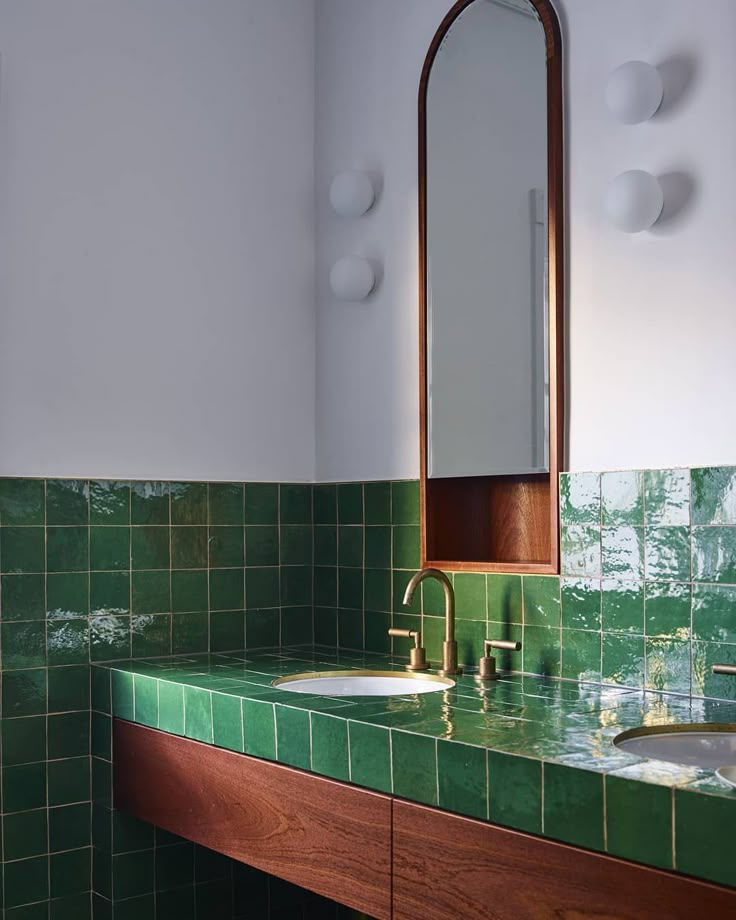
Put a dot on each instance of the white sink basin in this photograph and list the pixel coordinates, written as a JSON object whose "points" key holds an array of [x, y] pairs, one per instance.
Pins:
{"points": [[363, 683], [708, 746]]}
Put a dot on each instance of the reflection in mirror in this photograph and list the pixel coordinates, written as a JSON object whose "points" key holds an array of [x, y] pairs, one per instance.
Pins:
{"points": [[486, 244]]}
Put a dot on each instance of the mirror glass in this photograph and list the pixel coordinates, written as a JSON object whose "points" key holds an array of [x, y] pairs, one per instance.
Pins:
{"points": [[487, 366]]}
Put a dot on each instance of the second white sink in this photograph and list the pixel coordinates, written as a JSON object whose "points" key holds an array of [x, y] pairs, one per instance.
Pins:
{"points": [[702, 745], [363, 683]]}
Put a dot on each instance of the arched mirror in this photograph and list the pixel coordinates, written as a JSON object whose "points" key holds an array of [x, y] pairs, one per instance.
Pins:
{"points": [[490, 158]]}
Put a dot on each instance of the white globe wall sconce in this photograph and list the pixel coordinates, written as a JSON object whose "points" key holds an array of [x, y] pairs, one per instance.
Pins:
{"points": [[351, 193], [634, 92], [634, 201], [352, 278]]}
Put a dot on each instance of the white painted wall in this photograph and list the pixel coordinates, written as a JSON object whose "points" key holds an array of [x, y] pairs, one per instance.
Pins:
{"points": [[651, 317], [156, 238]]}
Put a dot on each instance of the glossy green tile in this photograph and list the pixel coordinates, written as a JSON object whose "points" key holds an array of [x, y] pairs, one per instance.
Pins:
{"points": [[150, 502], [580, 547], [151, 592], [262, 587], [623, 660], [145, 699], [22, 549], [198, 714], [296, 626], [22, 501], [376, 626], [622, 552], [667, 553], [350, 588], [296, 585], [67, 549], [295, 504], [470, 596], [470, 635], [405, 502], [150, 547], [189, 502], [461, 772], [67, 642], [69, 781], [712, 610], [405, 547], [23, 644], [668, 665], [261, 545], [581, 603], [69, 827], [67, 595], [22, 597], [622, 497], [504, 598], [667, 497], [580, 498], [350, 545], [24, 787], [109, 637], [541, 600], [325, 545], [325, 626], [26, 881], [414, 767], [703, 833], [325, 586], [109, 592], [330, 746], [704, 681], [109, 548], [292, 728], [189, 547], [68, 735], [133, 874], [515, 792], [261, 504], [370, 756], [714, 554], [263, 628], [226, 547], [25, 834], [324, 504], [378, 589], [573, 806], [227, 589], [109, 502], [541, 650], [174, 866], [189, 591], [259, 729], [714, 495], [377, 502], [667, 609], [227, 721], [101, 735], [70, 874], [296, 545], [24, 692], [622, 609], [190, 632], [349, 628], [122, 694], [67, 501], [69, 688], [171, 707], [350, 503], [227, 630]]}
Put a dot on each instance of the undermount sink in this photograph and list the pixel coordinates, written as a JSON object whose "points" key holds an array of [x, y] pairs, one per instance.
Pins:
{"points": [[707, 745], [362, 683]]}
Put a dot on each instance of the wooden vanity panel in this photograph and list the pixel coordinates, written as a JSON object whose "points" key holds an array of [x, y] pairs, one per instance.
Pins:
{"points": [[449, 866], [322, 835]]}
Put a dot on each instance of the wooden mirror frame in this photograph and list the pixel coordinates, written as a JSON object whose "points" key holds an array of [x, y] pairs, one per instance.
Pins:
{"points": [[499, 523]]}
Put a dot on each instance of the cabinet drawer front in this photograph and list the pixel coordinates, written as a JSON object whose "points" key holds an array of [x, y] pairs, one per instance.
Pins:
{"points": [[449, 866], [320, 834]]}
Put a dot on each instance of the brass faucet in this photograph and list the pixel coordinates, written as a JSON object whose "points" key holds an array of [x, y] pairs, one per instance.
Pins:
{"points": [[449, 646]]}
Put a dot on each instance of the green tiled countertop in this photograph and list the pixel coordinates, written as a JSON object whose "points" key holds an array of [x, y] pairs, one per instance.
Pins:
{"points": [[531, 753]]}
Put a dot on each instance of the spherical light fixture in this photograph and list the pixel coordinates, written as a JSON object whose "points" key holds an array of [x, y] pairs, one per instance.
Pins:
{"points": [[352, 278], [351, 193], [634, 92], [634, 201]]}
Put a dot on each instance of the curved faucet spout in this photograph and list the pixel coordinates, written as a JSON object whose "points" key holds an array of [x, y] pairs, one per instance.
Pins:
{"points": [[449, 649]]}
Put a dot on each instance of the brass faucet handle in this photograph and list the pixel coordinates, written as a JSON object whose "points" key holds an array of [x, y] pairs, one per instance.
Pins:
{"points": [[725, 669], [504, 644], [487, 664], [417, 655]]}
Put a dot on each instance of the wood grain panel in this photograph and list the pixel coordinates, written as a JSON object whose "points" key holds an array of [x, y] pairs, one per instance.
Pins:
{"points": [[449, 866], [320, 834]]}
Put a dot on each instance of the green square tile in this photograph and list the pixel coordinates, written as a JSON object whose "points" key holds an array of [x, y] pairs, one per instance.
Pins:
{"points": [[581, 655], [69, 827], [667, 554], [297, 626], [667, 608], [22, 549], [504, 599], [70, 874], [189, 502], [190, 632], [522, 809], [67, 595], [296, 545], [714, 554], [24, 692], [26, 881], [622, 497], [67, 642], [622, 552], [189, 547], [67, 501], [263, 628], [68, 735], [227, 721], [133, 875], [151, 592], [470, 635], [25, 834], [189, 591], [261, 545], [712, 610], [259, 729], [174, 867], [350, 588], [703, 834], [377, 497], [350, 503], [325, 545], [573, 806], [150, 635], [22, 501], [668, 665], [400, 580], [24, 787], [198, 714], [130, 833], [150, 547], [461, 771], [109, 502], [325, 626], [226, 547], [171, 707], [580, 498], [145, 700], [23, 644], [330, 746], [262, 587], [227, 630], [667, 497], [581, 550], [150, 503], [378, 547], [370, 756], [261, 503], [581, 603], [101, 735], [623, 660], [324, 504], [109, 637], [69, 688], [704, 681], [109, 592], [414, 767], [541, 650], [405, 502], [109, 548], [101, 694], [377, 589], [714, 495], [292, 732], [295, 504], [226, 503], [67, 549], [296, 585], [69, 781], [405, 543], [350, 628], [376, 626], [325, 586], [350, 545], [623, 606], [541, 600], [122, 694], [23, 597], [227, 589]]}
